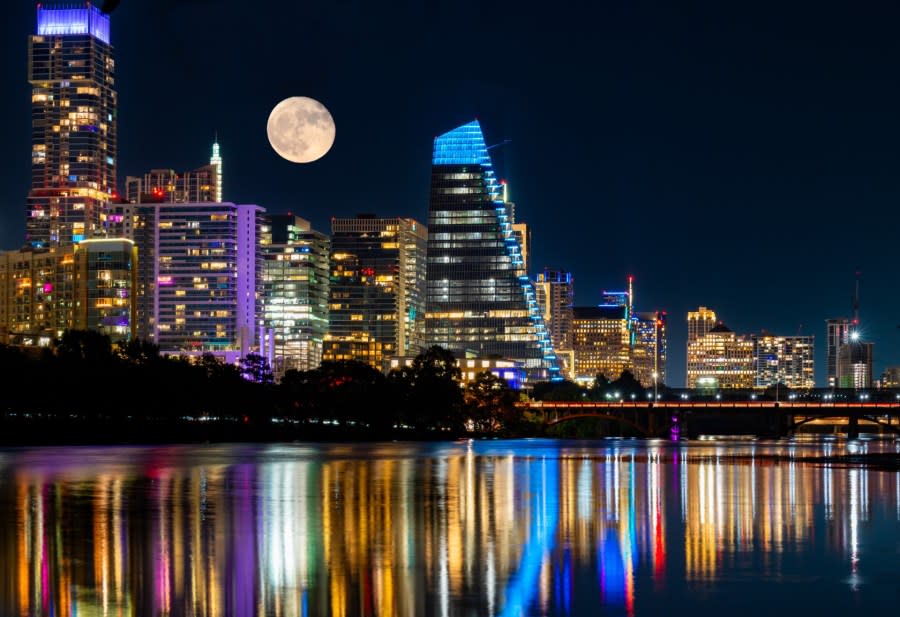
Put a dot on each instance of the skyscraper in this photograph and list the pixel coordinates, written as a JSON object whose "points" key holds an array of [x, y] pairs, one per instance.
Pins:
{"points": [[295, 290], [555, 293], [649, 349], [479, 297], [601, 341], [700, 322], [377, 300], [199, 276], [167, 186], [73, 118], [854, 363], [837, 333]]}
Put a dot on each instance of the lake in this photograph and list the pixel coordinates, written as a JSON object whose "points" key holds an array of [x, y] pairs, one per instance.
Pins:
{"points": [[525, 527]]}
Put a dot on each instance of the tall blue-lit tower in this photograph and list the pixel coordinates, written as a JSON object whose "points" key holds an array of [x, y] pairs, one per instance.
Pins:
{"points": [[478, 295], [73, 118]]}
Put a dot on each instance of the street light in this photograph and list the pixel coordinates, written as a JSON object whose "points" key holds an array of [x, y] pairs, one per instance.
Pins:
{"points": [[655, 382]]}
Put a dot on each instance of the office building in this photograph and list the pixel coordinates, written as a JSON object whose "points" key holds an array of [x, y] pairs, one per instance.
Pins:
{"points": [[295, 291], [855, 363], [555, 292], [73, 118], [376, 295], [601, 341], [199, 277], [786, 360], [649, 347], [837, 333], [699, 323], [720, 359], [479, 297]]}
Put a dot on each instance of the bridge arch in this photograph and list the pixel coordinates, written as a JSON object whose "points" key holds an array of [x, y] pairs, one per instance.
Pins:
{"points": [[602, 416], [874, 419]]}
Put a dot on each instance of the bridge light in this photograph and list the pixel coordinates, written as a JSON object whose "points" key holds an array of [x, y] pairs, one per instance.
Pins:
{"points": [[718, 397]]}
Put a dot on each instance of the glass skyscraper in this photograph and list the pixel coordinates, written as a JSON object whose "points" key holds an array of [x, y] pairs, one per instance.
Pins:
{"points": [[73, 120], [376, 302], [479, 296], [295, 290]]}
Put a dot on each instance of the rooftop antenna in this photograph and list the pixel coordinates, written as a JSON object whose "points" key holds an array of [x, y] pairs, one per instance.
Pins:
{"points": [[502, 143], [856, 302]]}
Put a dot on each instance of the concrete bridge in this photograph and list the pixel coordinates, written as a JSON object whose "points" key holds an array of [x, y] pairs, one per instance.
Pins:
{"points": [[760, 418]]}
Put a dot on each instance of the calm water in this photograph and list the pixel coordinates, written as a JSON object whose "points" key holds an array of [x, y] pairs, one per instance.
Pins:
{"points": [[484, 528]]}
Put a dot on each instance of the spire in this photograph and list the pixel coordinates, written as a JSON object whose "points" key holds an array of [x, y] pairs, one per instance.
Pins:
{"points": [[216, 159]]}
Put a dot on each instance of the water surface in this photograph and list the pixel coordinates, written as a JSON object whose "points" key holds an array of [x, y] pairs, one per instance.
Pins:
{"points": [[467, 528]]}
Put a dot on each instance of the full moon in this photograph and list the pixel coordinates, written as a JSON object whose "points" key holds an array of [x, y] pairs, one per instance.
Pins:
{"points": [[300, 129]]}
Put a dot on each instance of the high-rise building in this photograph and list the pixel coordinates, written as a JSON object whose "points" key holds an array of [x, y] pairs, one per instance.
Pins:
{"points": [[167, 186], [199, 276], [43, 292], [479, 297], [837, 334], [555, 293], [854, 363], [73, 119], [649, 349], [699, 323], [295, 290], [786, 360], [720, 359], [601, 341], [377, 299]]}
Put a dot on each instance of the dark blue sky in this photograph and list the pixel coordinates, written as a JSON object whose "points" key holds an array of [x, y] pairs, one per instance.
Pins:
{"points": [[743, 156]]}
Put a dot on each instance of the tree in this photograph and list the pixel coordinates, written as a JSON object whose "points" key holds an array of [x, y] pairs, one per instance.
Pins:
{"points": [[255, 367], [490, 404], [431, 395]]}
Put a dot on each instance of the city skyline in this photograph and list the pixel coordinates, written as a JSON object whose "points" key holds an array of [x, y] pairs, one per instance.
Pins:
{"points": [[678, 263]]}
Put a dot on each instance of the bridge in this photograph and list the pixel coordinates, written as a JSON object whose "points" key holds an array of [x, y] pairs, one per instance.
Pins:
{"points": [[760, 418]]}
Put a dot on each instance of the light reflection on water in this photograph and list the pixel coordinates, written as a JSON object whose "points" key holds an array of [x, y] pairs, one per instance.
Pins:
{"points": [[471, 528]]}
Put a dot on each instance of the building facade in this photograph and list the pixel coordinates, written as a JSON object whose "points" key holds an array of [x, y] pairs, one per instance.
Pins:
{"points": [[377, 289], [649, 347], [295, 291], [199, 276], [479, 296], [73, 118], [167, 186], [837, 333], [855, 364], [890, 378], [601, 341], [720, 359], [786, 360], [45, 292], [555, 293]]}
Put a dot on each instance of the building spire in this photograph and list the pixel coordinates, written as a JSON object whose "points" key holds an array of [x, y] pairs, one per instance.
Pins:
{"points": [[216, 159]]}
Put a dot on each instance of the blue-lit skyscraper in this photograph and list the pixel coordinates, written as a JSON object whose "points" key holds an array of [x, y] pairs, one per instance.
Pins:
{"points": [[479, 296], [73, 119]]}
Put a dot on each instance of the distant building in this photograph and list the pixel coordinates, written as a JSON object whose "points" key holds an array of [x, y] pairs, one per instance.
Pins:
{"points": [[43, 292], [73, 109], [555, 292], [699, 323], [890, 378], [199, 276], [167, 186], [377, 289], [479, 296], [854, 364], [720, 359], [511, 372], [295, 290], [522, 233], [837, 334], [786, 360], [649, 348], [601, 341]]}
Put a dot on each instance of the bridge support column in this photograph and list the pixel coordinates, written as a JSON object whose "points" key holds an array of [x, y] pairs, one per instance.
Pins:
{"points": [[852, 427]]}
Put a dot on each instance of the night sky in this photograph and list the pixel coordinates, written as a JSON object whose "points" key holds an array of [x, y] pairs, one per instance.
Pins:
{"points": [[741, 157]]}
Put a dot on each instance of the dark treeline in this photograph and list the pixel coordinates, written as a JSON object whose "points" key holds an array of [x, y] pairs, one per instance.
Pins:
{"points": [[84, 379]]}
